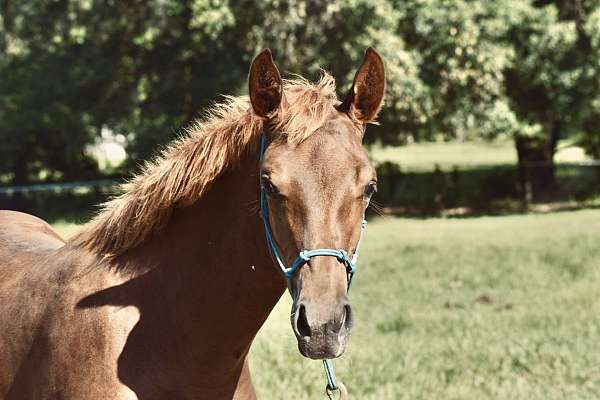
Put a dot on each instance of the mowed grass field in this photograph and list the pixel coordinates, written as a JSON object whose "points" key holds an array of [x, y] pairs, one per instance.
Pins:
{"points": [[472, 154], [485, 308]]}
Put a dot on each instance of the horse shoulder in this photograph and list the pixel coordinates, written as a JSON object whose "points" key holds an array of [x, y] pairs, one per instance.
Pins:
{"points": [[71, 348]]}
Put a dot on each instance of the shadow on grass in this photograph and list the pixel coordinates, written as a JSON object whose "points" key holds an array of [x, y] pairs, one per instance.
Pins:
{"points": [[485, 190]]}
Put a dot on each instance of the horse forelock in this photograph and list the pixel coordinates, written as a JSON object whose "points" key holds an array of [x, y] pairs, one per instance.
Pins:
{"points": [[184, 170]]}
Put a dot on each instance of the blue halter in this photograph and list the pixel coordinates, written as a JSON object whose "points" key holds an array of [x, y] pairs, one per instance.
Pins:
{"points": [[303, 257]]}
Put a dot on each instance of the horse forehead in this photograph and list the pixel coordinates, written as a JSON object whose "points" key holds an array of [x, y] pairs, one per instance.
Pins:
{"points": [[333, 154]]}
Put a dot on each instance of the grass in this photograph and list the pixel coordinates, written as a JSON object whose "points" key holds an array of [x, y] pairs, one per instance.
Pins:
{"points": [[65, 228], [485, 308], [424, 156]]}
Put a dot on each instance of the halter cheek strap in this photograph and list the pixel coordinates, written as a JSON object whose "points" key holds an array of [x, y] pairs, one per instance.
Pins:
{"points": [[303, 257]]}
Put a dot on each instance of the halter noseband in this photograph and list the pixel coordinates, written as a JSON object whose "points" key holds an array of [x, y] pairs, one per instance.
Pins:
{"points": [[305, 255]]}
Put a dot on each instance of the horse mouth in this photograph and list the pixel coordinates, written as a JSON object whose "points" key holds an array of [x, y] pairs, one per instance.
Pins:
{"points": [[322, 347]]}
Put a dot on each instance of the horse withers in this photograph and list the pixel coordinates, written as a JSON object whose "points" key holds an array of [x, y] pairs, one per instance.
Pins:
{"points": [[162, 293]]}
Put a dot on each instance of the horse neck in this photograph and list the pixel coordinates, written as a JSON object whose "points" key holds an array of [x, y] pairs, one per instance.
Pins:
{"points": [[207, 274]]}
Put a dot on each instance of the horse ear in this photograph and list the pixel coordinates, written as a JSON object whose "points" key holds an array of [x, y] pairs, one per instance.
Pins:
{"points": [[364, 99], [265, 85]]}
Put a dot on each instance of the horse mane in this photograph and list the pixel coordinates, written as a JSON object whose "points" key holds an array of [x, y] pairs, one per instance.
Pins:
{"points": [[185, 169]]}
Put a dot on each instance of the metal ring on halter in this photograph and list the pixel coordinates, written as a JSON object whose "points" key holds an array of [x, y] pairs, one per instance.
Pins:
{"points": [[341, 389]]}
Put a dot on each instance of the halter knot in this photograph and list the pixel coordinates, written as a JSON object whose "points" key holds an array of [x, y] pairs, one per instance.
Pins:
{"points": [[304, 255], [342, 256]]}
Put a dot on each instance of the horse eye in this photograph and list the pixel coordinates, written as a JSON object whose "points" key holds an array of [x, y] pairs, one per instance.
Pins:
{"points": [[267, 186], [370, 190]]}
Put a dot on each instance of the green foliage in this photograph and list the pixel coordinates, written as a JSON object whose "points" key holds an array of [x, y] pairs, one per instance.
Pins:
{"points": [[462, 60], [456, 68], [62, 77], [590, 136]]}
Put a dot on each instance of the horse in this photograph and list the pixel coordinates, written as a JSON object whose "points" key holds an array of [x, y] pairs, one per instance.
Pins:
{"points": [[161, 294]]}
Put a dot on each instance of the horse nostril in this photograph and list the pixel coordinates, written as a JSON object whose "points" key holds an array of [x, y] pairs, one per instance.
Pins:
{"points": [[348, 319], [302, 323]]}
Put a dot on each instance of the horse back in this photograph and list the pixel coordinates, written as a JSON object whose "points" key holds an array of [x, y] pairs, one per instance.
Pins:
{"points": [[20, 232]]}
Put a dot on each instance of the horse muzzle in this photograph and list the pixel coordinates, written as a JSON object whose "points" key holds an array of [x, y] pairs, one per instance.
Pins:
{"points": [[322, 330]]}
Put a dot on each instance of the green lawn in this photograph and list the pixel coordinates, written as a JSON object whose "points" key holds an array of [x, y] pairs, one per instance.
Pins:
{"points": [[66, 229], [485, 308], [424, 156]]}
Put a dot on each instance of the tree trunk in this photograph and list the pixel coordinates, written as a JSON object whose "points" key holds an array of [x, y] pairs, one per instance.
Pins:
{"points": [[20, 170], [537, 171]]}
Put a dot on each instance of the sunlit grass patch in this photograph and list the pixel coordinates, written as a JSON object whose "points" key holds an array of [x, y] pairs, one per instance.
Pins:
{"points": [[486, 308], [66, 229], [424, 156]]}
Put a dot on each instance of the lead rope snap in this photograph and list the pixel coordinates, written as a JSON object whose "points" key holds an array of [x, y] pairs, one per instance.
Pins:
{"points": [[341, 389]]}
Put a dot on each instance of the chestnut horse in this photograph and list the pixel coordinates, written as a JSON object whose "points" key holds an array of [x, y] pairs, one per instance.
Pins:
{"points": [[162, 293]]}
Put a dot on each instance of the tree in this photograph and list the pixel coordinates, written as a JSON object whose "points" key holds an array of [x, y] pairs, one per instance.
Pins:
{"points": [[523, 70], [589, 137], [187, 53], [65, 72], [461, 60], [527, 70], [306, 36]]}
